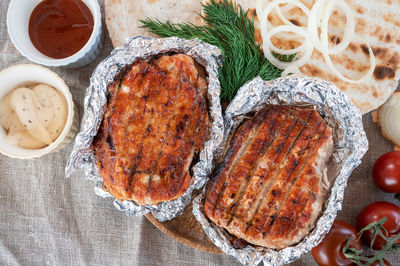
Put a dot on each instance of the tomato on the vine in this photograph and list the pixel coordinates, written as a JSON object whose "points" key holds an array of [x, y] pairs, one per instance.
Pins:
{"points": [[386, 172], [330, 250], [375, 212]]}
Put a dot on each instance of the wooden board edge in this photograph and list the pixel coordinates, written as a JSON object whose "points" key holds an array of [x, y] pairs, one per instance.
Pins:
{"points": [[185, 241]]}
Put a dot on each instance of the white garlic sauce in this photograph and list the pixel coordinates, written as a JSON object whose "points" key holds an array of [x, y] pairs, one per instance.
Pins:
{"points": [[33, 117]]}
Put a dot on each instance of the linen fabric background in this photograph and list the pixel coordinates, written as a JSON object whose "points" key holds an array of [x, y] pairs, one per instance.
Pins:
{"points": [[46, 219]]}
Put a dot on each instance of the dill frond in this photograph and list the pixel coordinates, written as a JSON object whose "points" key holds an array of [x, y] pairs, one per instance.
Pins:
{"points": [[228, 27]]}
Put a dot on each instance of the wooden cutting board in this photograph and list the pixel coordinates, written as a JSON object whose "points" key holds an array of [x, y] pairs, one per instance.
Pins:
{"points": [[187, 230]]}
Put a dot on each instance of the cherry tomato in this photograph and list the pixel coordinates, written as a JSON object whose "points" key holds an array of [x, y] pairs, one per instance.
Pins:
{"points": [[375, 212], [330, 250], [386, 172]]}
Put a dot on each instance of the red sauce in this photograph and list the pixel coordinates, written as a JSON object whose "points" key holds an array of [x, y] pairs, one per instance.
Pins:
{"points": [[60, 28]]}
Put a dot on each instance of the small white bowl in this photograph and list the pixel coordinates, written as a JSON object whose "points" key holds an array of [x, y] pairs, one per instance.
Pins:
{"points": [[18, 15], [25, 75]]}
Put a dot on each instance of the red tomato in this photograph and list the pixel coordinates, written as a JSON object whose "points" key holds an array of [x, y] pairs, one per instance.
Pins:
{"points": [[375, 212], [330, 250], [386, 172]]}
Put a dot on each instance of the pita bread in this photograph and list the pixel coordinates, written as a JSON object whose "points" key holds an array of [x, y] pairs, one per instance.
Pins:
{"points": [[378, 22], [122, 15]]}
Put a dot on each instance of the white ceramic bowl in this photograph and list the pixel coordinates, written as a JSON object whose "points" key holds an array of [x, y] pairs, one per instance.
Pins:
{"points": [[18, 15], [25, 75]]}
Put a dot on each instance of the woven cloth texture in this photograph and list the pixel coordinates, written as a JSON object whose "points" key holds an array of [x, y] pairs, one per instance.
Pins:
{"points": [[46, 219]]}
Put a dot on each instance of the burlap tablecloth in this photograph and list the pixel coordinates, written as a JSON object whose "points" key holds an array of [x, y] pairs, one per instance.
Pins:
{"points": [[46, 219]]}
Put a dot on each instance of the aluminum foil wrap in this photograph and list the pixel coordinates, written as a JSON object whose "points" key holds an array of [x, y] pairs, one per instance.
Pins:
{"points": [[95, 105], [350, 145]]}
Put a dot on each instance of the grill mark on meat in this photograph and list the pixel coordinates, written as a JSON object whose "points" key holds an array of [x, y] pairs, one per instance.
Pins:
{"points": [[138, 101], [257, 180], [256, 125], [183, 153], [168, 169], [200, 129], [108, 132], [142, 166], [272, 204], [143, 69], [193, 131], [237, 146], [155, 132], [303, 198], [212, 183], [167, 133], [190, 126], [314, 185], [249, 159], [312, 145], [177, 156], [110, 143], [164, 175], [169, 119], [136, 98], [275, 175], [108, 126], [273, 132]]}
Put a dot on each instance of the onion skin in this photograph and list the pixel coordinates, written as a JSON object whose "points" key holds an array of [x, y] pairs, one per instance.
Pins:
{"points": [[389, 119]]}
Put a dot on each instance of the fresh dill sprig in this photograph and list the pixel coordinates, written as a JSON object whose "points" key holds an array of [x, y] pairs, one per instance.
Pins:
{"points": [[228, 27]]}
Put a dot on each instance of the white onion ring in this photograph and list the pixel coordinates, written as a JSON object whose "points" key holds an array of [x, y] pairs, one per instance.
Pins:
{"points": [[286, 28], [325, 50], [314, 21], [263, 14], [284, 19], [349, 29], [306, 46]]}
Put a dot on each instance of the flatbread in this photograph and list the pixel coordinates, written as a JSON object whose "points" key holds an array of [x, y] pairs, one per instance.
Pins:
{"points": [[378, 22], [122, 15]]}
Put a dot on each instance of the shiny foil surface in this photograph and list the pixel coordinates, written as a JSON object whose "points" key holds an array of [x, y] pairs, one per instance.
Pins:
{"points": [[350, 145], [95, 106]]}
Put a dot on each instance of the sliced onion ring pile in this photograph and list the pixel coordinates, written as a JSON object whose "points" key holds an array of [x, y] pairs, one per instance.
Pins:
{"points": [[318, 18]]}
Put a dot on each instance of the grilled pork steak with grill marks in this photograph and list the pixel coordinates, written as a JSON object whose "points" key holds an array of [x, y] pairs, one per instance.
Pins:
{"points": [[268, 188], [155, 124]]}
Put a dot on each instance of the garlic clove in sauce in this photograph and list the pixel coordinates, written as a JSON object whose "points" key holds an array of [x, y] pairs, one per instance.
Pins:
{"points": [[8, 118], [22, 102], [50, 97], [33, 118], [43, 105], [23, 139]]}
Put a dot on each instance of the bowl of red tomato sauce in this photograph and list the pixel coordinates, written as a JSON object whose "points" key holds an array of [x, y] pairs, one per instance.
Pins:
{"points": [[65, 33]]}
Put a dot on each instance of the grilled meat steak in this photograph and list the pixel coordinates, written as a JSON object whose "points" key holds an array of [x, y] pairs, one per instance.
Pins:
{"points": [[155, 124], [268, 188]]}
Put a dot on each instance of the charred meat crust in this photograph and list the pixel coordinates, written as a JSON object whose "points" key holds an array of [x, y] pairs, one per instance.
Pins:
{"points": [[267, 189], [155, 124]]}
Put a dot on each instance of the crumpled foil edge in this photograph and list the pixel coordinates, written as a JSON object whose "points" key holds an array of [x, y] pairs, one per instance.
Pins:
{"points": [[350, 145], [95, 105]]}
